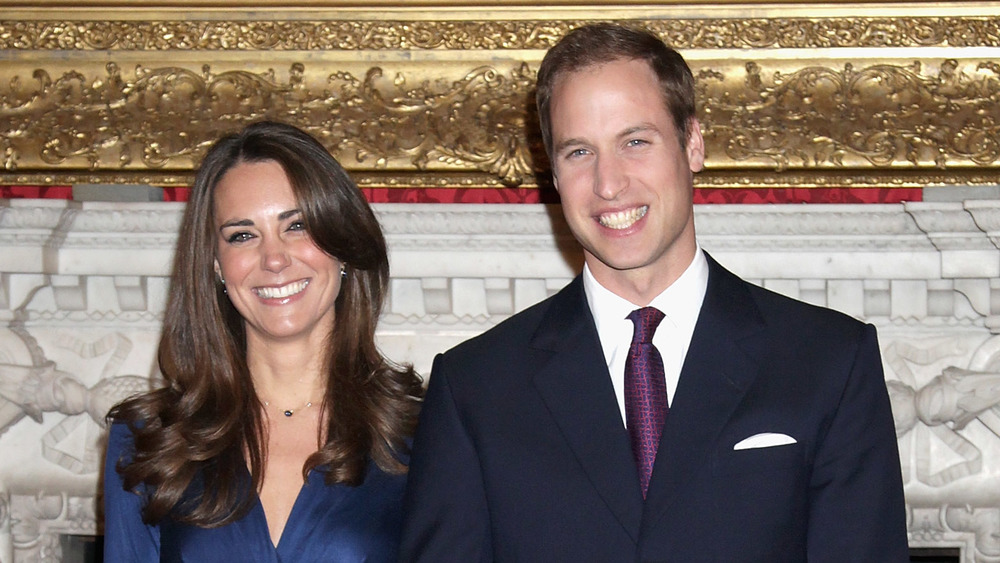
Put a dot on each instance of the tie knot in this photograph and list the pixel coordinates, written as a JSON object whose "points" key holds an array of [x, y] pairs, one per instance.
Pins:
{"points": [[646, 320]]}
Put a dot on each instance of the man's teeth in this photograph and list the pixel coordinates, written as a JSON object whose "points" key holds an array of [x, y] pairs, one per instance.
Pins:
{"points": [[281, 292], [623, 219]]}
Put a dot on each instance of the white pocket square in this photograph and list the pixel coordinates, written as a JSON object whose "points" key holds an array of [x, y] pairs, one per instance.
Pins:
{"points": [[764, 440]]}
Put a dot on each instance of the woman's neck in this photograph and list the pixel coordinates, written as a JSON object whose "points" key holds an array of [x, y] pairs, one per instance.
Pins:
{"points": [[287, 375]]}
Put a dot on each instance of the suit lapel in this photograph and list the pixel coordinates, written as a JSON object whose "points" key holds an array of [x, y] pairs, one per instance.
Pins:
{"points": [[716, 375], [577, 389]]}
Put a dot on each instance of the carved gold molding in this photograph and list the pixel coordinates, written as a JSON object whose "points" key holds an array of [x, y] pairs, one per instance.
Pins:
{"points": [[887, 97], [356, 35]]}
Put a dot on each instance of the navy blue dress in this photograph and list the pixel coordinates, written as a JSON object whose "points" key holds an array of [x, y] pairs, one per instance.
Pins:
{"points": [[327, 523]]}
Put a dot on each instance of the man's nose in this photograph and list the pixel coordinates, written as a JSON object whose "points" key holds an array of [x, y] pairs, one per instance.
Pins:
{"points": [[610, 178]]}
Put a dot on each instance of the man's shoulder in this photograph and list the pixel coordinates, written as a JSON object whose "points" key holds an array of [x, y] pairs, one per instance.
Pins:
{"points": [[518, 331], [511, 332], [797, 318], [777, 310], [777, 304]]}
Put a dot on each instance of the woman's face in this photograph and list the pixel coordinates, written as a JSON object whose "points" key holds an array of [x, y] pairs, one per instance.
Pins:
{"points": [[282, 284]]}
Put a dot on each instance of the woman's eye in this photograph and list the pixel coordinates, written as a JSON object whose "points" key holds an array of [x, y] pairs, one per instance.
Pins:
{"points": [[297, 226], [239, 237]]}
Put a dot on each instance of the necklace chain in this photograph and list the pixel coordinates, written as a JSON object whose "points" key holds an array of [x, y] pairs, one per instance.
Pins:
{"points": [[290, 412]]}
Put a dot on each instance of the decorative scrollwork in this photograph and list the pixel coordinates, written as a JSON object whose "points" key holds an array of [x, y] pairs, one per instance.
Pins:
{"points": [[354, 35], [882, 115], [167, 117], [447, 102], [475, 122]]}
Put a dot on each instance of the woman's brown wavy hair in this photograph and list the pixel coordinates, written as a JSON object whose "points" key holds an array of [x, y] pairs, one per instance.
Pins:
{"points": [[206, 424]]}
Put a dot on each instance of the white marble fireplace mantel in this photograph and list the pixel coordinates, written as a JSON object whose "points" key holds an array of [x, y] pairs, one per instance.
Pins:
{"points": [[82, 289]]}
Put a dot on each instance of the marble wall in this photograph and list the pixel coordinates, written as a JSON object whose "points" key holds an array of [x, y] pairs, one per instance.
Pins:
{"points": [[82, 290]]}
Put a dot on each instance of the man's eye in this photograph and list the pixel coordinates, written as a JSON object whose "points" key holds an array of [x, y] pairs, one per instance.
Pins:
{"points": [[636, 142]]}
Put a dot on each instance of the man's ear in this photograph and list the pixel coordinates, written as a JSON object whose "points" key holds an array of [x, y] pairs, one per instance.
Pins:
{"points": [[695, 146]]}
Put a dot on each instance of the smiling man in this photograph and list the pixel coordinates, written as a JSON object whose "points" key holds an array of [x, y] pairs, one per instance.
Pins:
{"points": [[658, 408]]}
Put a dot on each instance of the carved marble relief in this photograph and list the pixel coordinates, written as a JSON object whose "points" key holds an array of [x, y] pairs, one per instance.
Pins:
{"points": [[32, 389], [82, 290], [52, 426]]}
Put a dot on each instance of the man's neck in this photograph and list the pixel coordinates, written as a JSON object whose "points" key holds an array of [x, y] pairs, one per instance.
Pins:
{"points": [[640, 285]]}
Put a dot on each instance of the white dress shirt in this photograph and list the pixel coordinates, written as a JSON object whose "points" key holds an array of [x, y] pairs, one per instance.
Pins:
{"points": [[680, 303]]}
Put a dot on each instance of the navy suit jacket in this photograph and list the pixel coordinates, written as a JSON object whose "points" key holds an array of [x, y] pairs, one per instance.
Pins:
{"points": [[521, 453]]}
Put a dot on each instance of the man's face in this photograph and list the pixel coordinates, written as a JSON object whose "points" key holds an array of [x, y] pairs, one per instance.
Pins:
{"points": [[624, 180]]}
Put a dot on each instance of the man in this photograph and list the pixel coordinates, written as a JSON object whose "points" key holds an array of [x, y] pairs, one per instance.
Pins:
{"points": [[734, 425]]}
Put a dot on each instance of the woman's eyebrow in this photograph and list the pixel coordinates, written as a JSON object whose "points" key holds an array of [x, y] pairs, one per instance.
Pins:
{"points": [[290, 213]]}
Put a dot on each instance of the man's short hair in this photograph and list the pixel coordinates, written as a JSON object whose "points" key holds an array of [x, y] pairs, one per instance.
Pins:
{"points": [[600, 43]]}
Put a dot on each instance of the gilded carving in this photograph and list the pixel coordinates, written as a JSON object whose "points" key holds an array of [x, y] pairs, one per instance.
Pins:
{"points": [[478, 121], [166, 117], [765, 115], [433, 98], [880, 114], [353, 35]]}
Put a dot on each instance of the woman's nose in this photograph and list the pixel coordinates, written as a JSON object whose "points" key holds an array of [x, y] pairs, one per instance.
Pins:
{"points": [[274, 255]]}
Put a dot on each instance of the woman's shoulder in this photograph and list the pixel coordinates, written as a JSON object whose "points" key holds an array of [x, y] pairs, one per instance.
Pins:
{"points": [[121, 442], [121, 438]]}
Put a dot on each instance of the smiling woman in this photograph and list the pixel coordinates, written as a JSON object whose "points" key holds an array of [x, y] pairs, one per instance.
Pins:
{"points": [[280, 281], [279, 278]]}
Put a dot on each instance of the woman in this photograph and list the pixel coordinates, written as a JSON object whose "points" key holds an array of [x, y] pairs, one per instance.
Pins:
{"points": [[281, 432]]}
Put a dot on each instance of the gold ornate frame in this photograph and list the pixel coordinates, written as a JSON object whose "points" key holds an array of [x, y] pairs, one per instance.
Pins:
{"points": [[411, 94]]}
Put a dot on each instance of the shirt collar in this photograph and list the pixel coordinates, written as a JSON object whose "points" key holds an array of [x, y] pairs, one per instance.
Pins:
{"points": [[680, 302]]}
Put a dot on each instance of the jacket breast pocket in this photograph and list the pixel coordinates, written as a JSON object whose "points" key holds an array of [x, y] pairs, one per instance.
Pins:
{"points": [[760, 460]]}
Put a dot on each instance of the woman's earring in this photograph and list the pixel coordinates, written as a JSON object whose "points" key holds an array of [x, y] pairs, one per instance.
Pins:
{"points": [[222, 280], [343, 271]]}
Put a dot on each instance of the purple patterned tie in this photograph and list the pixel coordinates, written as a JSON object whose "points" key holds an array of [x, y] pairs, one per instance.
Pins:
{"points": [[645, 392]]}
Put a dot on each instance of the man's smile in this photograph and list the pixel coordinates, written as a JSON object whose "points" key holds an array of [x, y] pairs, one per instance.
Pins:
{"points": [[619, 220]]}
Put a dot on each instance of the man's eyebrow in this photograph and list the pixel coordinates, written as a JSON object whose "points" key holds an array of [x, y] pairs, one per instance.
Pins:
{"points": [[640, 128], [566, 143]]}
